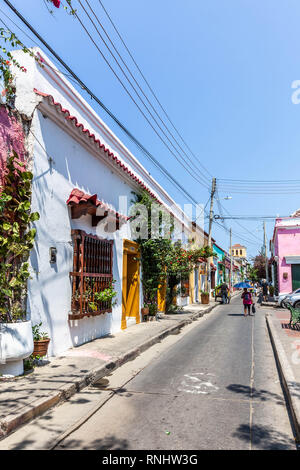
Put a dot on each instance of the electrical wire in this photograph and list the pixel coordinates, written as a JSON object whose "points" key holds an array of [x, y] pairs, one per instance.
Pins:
{"points": [[35, 42], [236, 234], [259, 187], [196, 178], [201, 174], [150, 88], [244, 228]]}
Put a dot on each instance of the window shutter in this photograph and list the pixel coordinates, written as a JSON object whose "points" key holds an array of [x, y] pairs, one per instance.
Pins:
{"points": [[92, 272]]}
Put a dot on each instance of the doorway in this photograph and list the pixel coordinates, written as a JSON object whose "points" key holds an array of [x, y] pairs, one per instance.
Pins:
{"points": [[130, 284], [196, 283], [295, 276]]}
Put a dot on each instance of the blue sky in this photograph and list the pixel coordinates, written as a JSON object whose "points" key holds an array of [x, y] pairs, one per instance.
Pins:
{"points": [[222, 70]]}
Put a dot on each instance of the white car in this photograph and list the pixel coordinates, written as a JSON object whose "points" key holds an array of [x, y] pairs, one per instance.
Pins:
{"points": [[292, 297]]}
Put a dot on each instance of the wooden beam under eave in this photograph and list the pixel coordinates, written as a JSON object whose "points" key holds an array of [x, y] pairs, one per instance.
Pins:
{"points": [[82, 209], [97, 218]]}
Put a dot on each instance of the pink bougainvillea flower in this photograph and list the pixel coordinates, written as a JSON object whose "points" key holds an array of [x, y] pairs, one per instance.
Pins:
{"points": [[3, 92], [56, 3]]}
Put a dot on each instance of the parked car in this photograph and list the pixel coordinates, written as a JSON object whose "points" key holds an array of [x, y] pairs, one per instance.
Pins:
{"points": [[293, 298]]}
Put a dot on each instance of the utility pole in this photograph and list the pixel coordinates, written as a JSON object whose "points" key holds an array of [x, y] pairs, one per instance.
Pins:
{"points": [[230, 282], [266, 253], [213, 190]]}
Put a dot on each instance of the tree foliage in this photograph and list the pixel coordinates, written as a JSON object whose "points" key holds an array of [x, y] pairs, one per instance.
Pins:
{"points": [[163, 260], [259, 263]]}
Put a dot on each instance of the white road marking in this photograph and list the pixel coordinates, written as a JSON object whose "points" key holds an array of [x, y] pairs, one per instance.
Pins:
{"points": [[197, 385]]}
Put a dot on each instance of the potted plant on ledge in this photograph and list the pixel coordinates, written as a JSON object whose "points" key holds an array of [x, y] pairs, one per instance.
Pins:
{"points": [[104, 299], [145, 312], [16, 241], [41, 341], [204, 297]]}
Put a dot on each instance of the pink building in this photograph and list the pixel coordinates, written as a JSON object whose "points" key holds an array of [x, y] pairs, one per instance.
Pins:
{"points": [[285, 248]]}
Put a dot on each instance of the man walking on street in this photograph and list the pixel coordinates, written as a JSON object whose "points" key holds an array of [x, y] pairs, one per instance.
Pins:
{"points": [[224, 293], [265, 290]]}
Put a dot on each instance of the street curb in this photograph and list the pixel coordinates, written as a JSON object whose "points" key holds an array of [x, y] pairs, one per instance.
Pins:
{"points": [[12, 422], [288, 381]]}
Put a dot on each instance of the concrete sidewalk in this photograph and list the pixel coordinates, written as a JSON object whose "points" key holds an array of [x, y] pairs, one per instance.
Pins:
{"points": [[24, 398], [286, 345]]}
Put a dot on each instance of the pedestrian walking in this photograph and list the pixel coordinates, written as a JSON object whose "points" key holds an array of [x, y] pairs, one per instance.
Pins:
{"points": [[224, 293], [260, 297], [255, 289], [265, 290], [247, 301]]}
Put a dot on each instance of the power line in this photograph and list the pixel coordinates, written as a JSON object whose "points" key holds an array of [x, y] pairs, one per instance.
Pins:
{"points": [[236, 234], [254, 217], [35, 42], [141, 111], [150, 88], [93, 96], [260, 192], [201, 174], [244, 228], [258, 181]]}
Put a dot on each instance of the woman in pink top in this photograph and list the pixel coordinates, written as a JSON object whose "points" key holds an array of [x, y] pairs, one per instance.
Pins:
{"points": [[247, 301]]}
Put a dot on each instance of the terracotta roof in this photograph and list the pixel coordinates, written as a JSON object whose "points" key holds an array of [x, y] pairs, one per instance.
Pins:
{"points": [[237, 245], [79, 197], [109, 154]]}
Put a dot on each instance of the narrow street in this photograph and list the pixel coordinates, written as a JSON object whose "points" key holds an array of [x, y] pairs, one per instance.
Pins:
{"points": [[215, 387]]}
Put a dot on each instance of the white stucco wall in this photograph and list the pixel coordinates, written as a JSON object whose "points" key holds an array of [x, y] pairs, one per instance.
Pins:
{"points": [[49, 290]]}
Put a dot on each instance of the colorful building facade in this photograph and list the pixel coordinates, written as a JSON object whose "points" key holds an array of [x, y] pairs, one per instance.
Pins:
{"points": [[285, 249]]}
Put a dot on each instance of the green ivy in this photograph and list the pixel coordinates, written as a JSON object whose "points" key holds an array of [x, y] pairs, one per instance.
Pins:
{"points": [[16, 239], [162, 259]]}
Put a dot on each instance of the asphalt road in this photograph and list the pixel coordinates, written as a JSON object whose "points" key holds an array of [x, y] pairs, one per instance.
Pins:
{"points": [[216, 387]]}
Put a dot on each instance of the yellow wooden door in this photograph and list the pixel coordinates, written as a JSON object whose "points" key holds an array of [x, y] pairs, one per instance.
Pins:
{"points": [[161, 296], [131, 283]]}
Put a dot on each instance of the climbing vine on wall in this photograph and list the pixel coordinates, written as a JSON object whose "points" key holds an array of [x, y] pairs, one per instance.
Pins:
{"points": [[16, 239]]}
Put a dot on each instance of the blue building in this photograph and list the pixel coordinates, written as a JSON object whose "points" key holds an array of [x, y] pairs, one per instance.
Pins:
{"points": [[219, 262]]}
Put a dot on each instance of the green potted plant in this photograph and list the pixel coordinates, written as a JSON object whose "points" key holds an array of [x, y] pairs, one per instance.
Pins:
{"points": [[41, 341], [145, 312], [106, 296], [204, 297], [16, 241]]}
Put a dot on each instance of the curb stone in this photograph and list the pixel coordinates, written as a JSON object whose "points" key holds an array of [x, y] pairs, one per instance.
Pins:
{"points": [[287, 378], [11, 422]]}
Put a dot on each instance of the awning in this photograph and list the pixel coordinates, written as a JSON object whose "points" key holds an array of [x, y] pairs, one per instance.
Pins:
{"points": [[83, 204], [292, 259]]}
